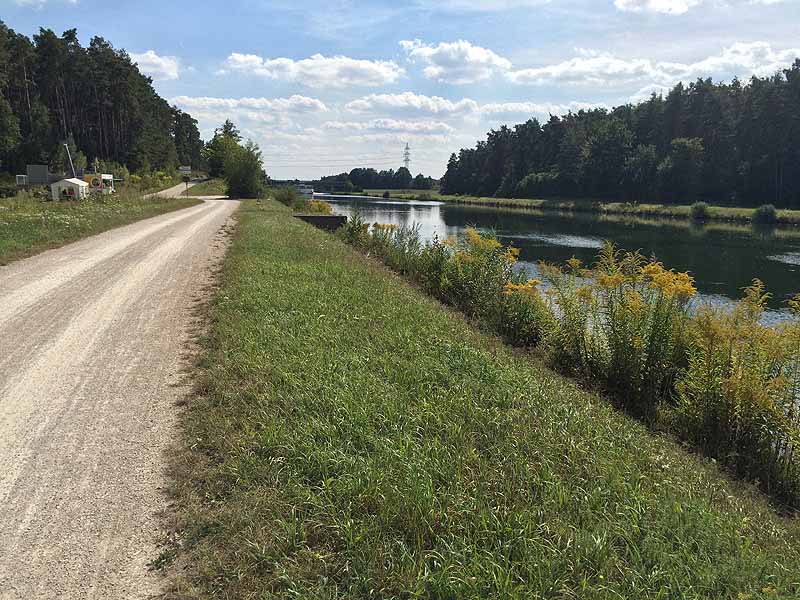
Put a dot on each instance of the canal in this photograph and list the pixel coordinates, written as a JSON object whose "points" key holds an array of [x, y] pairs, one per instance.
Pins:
{"points": [[722, 257]]}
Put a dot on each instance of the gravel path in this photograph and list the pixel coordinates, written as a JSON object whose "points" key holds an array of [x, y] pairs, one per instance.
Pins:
{"points": [[93, 338]]}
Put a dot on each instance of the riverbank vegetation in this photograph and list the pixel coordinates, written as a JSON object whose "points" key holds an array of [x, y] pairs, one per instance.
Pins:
{"points": [[29, 225], [587, 205], [720, 380], [351, 438], [734, 144]]}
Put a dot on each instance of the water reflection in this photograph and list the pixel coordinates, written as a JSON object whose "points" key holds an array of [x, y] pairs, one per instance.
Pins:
{"points": [[723, 258]]}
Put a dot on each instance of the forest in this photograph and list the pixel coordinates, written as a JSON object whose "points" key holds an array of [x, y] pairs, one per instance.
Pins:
{"points": [[735, 144], [55, 91], [360, 179]]}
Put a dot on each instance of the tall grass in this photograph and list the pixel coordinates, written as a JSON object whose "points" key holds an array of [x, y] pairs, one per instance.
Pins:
{"points": [[719, 380]]}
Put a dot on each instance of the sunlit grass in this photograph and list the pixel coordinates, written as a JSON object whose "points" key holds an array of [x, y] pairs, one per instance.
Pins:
{"points": [[352, 438], [29, 225]]}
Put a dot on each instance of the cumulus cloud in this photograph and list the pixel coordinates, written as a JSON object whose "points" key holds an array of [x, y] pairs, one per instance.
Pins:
{"points": [[675, 7], [455, 62], [318, 70], [411, 101], [295, 103], [738, 60], [160, 68], [538, 108], [393, 125]]}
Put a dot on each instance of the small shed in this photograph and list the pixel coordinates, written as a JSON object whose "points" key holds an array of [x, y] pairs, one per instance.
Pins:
{"points": [[69, 189]]}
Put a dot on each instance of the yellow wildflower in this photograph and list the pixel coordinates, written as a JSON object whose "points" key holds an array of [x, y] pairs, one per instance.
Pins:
{"points": [[610, 280], [528, 288], [634, 301], [575, 264], [794, 304], [451, 241], [511, 255], [478, 242], [584, 294]]}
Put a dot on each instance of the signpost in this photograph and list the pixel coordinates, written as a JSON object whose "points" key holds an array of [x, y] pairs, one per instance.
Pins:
{"points": [[186, 171]]}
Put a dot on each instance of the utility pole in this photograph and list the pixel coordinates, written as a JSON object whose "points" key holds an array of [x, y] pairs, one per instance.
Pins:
{"points": [[407, 157], [72, 166]]}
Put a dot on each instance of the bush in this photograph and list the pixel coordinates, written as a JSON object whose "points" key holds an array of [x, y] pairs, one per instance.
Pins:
{"points": [[319, 207], [700, 211], [286, 195], [244, 173], [387, 195], [765, 213]]}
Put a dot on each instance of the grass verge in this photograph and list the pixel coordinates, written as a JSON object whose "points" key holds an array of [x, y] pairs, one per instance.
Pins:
{"points": [[29, 225], [212, 187], [670, 211], [351, 439]]}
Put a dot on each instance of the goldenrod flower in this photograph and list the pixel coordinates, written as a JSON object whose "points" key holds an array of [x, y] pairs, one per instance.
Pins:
{"points": [[610, 280], [794, 304]]}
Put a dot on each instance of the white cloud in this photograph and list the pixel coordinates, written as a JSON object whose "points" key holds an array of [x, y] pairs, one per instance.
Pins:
{"points": [[296, 103], [738, 60], [677, 7], [393, 125], [455, 62], [670, 7], [538, 108], [412, 101], [160, 68], [318, 70], [603, 69]]}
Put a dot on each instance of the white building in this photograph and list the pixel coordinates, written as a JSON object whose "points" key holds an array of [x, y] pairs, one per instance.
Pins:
{"points": [[69, 189]]}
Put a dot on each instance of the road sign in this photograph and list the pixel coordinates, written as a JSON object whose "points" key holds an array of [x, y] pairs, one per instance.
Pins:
{"points": [[185, 169]]}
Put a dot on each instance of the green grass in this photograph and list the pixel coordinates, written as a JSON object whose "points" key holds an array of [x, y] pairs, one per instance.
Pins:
{"points": [[29, 225], [212, 187], [351, 438], [671, 211]]}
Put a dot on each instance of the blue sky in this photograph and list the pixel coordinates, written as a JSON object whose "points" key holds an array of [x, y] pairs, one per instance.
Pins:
{"points": [[324, 87]]}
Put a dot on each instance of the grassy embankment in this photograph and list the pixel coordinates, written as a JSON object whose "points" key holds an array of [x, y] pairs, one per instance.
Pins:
{"points": [[715, 213], [352, 438], [212, 187], [29, 225]]}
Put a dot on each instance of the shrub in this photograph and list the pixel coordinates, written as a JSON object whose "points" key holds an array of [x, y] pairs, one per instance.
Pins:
{"points": [[244, 173], [700, 211], [765, 213], [738, 398], [386, 194], [286, 195], [319, 207]]}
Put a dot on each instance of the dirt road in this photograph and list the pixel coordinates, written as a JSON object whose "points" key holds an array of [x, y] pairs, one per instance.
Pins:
{"points": [[92, 355]]}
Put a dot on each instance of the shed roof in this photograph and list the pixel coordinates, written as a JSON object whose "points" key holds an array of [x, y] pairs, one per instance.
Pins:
{"points": [[74, 181]]}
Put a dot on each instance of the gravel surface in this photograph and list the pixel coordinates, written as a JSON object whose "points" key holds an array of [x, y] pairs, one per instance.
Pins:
{"points": [[93, 345]]}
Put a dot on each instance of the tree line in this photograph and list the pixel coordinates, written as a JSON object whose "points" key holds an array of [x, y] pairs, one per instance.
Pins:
{"points": [[729, 143], [360, 179], [55, 91]]}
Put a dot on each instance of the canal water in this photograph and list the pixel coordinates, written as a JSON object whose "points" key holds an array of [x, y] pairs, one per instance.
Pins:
{"points": [[723, 258]]}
